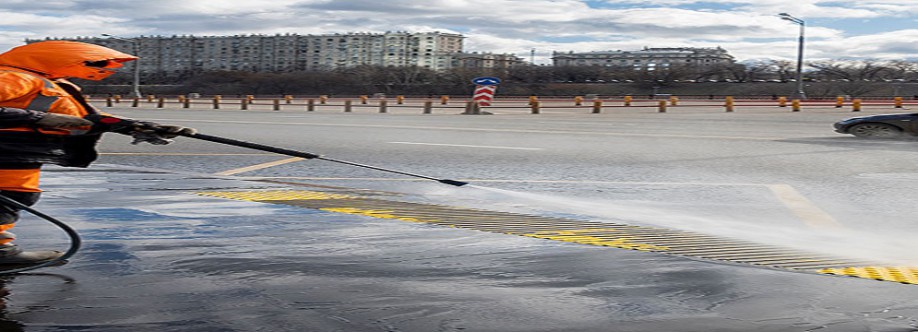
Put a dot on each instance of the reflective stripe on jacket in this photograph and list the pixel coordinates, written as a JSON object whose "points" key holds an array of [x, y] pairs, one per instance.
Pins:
{"points": [[28, 144]]}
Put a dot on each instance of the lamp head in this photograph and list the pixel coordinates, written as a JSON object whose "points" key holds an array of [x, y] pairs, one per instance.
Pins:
{"points": [[788, 17]]}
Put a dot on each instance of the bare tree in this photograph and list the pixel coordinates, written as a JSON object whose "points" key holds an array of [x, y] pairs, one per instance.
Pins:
{"points": [[759, 70], [862, 70], [901, 69], [786, 70]]}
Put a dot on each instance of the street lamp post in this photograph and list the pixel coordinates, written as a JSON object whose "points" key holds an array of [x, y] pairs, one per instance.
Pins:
{"points": [[135, 50], [787, 17]]}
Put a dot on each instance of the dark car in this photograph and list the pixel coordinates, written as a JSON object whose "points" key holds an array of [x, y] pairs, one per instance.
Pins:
{"points": [[880, 126]]}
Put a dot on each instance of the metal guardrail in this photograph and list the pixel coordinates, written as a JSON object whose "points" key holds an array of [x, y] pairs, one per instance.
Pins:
{"points": [[534, 104]]}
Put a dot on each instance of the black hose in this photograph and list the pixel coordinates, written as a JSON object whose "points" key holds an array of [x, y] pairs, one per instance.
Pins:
{"points": [[75, 240]]}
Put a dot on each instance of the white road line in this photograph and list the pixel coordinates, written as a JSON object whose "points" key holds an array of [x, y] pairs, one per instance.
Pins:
{"points": [[812, 215], [496, 130], [469, 146]]}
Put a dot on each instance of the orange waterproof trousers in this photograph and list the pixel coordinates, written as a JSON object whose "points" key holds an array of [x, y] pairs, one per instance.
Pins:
{"points": [[20, 185]]}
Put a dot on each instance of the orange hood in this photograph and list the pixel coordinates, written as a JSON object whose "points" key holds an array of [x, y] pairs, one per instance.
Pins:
{"points": [[65, 59]]}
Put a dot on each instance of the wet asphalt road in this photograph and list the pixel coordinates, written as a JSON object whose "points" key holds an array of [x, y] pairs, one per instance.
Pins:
{"points": [[644, 156], [158, 259]]}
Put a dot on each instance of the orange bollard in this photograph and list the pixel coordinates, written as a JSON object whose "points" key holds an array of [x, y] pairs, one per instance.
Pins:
{"points": [[444, 100], [578, 100], [782, 101], [673, 100], [839, 101], [856, 105], [728, 104], [795, 105], [597, 105], [898, 102], [399, 99], [662, 107], [628, 100]]}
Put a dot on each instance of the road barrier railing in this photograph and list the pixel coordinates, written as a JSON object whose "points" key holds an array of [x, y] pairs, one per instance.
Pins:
{"points": [[509, 104]]}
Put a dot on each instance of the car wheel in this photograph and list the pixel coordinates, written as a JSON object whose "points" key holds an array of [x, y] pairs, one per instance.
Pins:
{"points": [[875, 130]]}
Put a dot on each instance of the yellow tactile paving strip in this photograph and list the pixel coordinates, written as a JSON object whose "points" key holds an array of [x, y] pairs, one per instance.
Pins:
{"points": [[595, 233]]}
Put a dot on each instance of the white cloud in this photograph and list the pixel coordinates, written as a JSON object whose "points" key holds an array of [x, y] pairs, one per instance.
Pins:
{"points": [[746, 28]]}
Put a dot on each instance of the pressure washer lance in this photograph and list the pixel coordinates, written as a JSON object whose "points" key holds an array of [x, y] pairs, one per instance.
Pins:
{"points": [[110, 123]]}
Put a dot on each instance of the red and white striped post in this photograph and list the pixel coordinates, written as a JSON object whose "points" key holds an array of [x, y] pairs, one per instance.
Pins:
{"points": [[484, 94]]}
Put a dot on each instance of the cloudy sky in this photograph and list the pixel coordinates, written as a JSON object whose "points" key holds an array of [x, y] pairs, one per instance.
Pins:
{"points": [[748, 29]]}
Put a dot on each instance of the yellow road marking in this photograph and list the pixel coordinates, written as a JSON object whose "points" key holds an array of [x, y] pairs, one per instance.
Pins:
{"points": [[799, 205], [273, 195], [583, 232], [902, 274], [380, 214], [259, 166], [576, 236]]}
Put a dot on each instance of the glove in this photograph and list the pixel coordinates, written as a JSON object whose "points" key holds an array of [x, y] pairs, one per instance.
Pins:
{"points": [[149, 136], [54, 120], [158, 134], [169, 131]]}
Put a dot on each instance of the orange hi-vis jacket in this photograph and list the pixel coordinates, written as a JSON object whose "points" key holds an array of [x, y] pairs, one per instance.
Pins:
{"points": [[28, 144], [24, 90], [33, 81]]}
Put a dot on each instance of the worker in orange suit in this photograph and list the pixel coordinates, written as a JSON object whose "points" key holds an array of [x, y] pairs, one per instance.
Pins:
{"points": [[43, 120]]}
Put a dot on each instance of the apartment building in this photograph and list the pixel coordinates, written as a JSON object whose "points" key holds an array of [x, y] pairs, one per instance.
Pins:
{"points": [[285, 52], [647, 58], [486, 60]]}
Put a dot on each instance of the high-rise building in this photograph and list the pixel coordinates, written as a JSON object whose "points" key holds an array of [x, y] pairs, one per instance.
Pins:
{"points": [[486, 60], [647, 58], [285, 52]]}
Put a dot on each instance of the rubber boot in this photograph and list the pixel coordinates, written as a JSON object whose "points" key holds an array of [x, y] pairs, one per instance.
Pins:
{"points": [[11, 254]]}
